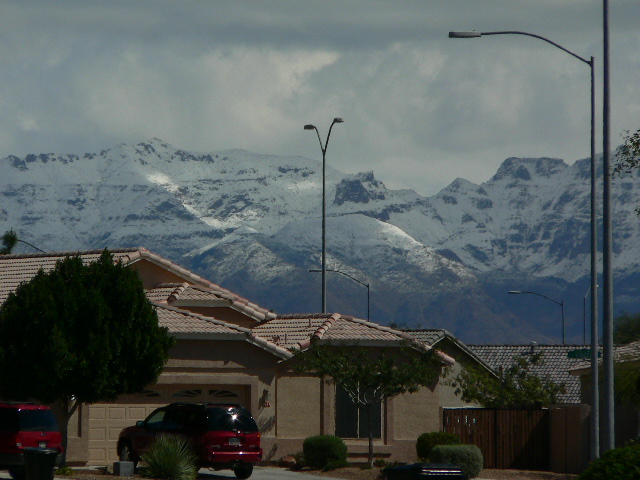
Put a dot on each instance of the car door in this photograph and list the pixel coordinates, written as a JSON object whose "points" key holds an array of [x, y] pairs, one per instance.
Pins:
{"points": [[145, 435]]}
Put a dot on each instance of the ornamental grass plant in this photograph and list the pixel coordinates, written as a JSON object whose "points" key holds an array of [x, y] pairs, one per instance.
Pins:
{"points": [[170, 458]]}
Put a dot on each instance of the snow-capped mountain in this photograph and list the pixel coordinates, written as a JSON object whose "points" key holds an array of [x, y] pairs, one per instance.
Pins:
{"points": [[251, 222]]}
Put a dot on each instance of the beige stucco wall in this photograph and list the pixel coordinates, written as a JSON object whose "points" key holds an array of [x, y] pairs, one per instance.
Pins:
{"points": [[415, 413], [299, 406]]}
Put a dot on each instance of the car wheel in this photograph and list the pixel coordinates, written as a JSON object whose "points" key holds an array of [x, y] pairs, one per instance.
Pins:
{"points": [[17, 474], [243, 470]]}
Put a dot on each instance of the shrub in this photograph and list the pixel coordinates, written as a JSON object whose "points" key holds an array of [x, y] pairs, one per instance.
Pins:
{"points": [[619, 464], [322, 449], [170, 458], [427, 441], [467, 457], [335, 464]]}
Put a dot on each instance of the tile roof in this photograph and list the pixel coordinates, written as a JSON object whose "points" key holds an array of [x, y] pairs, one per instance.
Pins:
{"points": [[15, 269], [183, 324], [629, 352], [297, 331], [432, 337], [172, 293], [555, 363]]}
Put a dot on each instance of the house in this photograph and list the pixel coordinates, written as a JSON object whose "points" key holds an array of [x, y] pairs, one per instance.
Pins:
{"points": [[627, 414], [231, 350]]}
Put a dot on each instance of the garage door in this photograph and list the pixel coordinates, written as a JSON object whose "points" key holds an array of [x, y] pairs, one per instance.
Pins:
{"points": [[106, 420]]}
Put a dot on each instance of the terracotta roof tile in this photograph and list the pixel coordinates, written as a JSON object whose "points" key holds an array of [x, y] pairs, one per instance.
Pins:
{"points": [[555, 363], [297, 331], [183, 322], [15, 269]]}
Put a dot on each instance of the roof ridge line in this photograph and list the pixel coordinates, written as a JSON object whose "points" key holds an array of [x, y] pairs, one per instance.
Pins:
{"points": [[179, 290], [328, 323]]}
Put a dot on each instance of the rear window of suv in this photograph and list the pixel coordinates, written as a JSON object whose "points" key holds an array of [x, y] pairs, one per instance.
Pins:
{"points": [[230, 420], [27, 420]]}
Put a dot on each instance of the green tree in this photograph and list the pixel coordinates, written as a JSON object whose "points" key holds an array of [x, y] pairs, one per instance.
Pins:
{"points": [[517, 386], [9, 240], [628, 156], [369, 375], [626, 329], [80, 334]]}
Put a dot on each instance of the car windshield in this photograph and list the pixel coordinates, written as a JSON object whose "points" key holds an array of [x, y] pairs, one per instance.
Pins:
{"points": [[37, 421], [235, 420]]}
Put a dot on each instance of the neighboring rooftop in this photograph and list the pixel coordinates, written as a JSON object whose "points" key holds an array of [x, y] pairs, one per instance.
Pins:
{"points": [[555, 364]]}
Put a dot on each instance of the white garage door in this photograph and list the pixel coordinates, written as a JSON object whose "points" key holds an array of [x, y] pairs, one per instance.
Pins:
{"points": [[106, 420]]}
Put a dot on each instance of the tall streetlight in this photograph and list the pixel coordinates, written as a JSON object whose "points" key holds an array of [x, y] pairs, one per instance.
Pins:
{"points": [[561, 303], [352, 278], [324, 207], [608, 425], [595, 400]]}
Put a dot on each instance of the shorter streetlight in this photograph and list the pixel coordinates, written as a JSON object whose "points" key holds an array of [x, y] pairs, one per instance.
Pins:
{"points": [[316, 270], [561, 303]]}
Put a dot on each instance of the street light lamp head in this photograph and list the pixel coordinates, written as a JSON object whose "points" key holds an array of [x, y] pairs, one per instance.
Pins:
{"points": [[464, 34], [309, 127], [514, 292], [338, 120]]}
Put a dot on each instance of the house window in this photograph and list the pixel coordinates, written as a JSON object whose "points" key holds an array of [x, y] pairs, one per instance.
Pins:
{"points": [[352, 420]]}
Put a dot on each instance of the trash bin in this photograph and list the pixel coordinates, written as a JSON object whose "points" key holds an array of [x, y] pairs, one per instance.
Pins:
{"points": [[418, 471], [39, 463]]}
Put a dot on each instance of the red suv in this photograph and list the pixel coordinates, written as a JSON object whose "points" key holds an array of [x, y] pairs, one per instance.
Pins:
{"points": [[222, 436], [26, 425]]}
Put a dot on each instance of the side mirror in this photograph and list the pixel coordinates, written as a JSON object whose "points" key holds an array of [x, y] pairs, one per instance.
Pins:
{"points": [[140, 423]]}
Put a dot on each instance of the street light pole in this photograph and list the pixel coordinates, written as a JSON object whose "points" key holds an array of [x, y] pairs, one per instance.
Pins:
{"points": [[595, 399], [561, 303], [355, 280], [324, 207], [608, 437]]}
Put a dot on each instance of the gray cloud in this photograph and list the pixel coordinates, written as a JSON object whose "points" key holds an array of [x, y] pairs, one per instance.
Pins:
{"points": [[421, 109]]}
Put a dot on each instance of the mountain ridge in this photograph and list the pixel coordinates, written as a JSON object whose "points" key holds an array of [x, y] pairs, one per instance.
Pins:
{"points": [[444, 261]]}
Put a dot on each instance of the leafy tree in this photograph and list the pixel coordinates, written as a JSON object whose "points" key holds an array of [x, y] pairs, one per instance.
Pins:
{"points": [[368, 375], [9, 240], [628, 156], [517, 386], [627, 382], [80, 334], [626, 329]]}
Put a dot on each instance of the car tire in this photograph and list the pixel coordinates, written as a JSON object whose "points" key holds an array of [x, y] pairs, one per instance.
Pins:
{"points": [[243, 470]]}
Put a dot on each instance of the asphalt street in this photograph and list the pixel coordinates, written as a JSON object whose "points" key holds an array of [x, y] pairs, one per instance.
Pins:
{"points": [[259, 473]]}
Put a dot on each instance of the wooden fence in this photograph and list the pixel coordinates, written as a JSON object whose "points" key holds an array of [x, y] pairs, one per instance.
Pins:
{"points": [[516, 439]]}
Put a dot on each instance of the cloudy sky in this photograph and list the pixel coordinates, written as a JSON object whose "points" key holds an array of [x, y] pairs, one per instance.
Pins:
{"points": [[420, 109]]}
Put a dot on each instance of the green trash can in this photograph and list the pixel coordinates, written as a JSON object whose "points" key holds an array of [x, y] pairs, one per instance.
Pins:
{"points": [[39, 463], [427, 471]]}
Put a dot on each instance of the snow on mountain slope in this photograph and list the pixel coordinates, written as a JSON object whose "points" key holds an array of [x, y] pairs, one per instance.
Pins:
{"points": [[254, 220]]}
